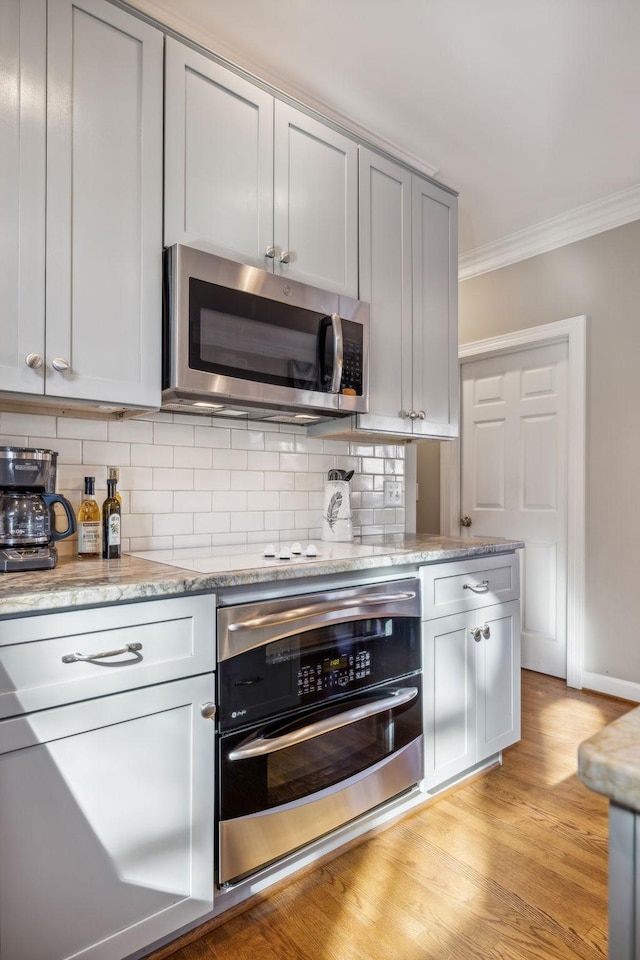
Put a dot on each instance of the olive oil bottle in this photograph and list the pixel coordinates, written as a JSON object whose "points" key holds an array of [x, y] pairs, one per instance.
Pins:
{"points": [[111, 523], [89, 527]]}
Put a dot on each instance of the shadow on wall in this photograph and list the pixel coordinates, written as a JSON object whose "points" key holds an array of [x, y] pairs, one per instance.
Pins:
{"points": [[428, 492]]}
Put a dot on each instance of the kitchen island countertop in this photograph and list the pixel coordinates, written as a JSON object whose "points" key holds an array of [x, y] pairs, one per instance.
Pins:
{"points": [[609, 762], [159, 573]]}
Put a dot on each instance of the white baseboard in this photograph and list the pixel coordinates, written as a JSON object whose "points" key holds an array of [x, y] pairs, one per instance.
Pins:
{"points": [[613, 686]]}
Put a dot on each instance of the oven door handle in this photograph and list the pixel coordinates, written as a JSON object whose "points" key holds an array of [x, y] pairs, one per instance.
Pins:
{"points": [[262, 746], [319, 609]]}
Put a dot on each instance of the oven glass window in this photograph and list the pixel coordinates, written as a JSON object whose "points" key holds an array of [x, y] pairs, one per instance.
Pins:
{"points": [[295, 772]]}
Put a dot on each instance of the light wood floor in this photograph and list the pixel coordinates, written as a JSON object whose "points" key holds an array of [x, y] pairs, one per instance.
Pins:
{"points": [[512, 866]]}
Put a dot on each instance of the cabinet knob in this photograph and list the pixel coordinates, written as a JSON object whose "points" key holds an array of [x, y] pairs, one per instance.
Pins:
{"points": [[60, 364], [208, 710], [33, 360], [465, 521], [284, 257], [486, 631], [412, 415], [422, 415], [270, 252], [476, 633]]}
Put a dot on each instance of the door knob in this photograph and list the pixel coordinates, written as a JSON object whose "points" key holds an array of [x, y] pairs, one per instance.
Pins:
{"points": [[465, 521]]}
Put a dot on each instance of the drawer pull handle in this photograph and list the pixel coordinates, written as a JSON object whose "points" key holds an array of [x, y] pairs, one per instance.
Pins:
{"points": [[482, 587], [128, 648]]}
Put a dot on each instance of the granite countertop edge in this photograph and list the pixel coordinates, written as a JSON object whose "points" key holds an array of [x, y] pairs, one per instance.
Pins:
{"points": [[609, 762], [84, 582]]}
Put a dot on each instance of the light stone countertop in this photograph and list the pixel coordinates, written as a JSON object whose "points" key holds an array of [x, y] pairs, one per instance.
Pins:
{"points": [[609, 762], [88, 582]]}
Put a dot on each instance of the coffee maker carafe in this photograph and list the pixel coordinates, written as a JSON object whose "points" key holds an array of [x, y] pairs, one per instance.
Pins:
{"points": [[27, 521]]}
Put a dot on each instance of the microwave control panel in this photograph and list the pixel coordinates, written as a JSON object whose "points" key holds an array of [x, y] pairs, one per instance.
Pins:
{"points": [[352, 366]]}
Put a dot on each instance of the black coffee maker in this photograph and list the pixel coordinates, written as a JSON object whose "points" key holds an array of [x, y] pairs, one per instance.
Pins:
{"points": [[27, 520]]}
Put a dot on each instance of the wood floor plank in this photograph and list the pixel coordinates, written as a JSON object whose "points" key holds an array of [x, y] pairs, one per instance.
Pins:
{"points": [[511, 866]]}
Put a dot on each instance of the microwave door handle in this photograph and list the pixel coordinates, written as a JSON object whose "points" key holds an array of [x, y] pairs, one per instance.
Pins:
{"points": [[289, 617], [260, 746], [338, 352]]}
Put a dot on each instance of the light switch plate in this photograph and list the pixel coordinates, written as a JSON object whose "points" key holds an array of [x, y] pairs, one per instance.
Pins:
{"points": [[392, 496]]}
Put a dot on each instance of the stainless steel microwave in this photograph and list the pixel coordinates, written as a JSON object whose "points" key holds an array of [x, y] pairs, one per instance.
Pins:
{"points": [[241, 341]]}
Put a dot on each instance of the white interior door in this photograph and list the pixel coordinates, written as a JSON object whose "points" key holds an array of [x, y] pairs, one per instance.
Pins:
{"points": [[514, 482]]}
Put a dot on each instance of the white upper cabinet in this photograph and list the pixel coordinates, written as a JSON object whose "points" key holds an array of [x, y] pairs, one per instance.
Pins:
{"points": [[408, 273], [253, 179], [104, 199], [218, 158], [435, 311], [92, 330], [22, 192]]}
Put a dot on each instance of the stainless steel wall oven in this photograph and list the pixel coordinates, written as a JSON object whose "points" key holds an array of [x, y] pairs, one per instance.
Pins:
{"points": [[319, 716]]}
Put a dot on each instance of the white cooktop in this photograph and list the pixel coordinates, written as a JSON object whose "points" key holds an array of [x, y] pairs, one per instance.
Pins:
{"points": [[251, 556]]}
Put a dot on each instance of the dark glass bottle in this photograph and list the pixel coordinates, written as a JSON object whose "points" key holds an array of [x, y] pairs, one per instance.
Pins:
{"points": [[111, 523]]}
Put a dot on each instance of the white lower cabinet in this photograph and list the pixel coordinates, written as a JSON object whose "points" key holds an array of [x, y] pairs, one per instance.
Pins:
{"points": [[471, 665], [106, 823]]}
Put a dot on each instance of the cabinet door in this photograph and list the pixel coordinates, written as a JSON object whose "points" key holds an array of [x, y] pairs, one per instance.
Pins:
{"points": [[104, 204], [315, 203], [449, 699], [498, 677], [22, 192], [435, 311], [385, 283], [106, 823], [219, 159]]}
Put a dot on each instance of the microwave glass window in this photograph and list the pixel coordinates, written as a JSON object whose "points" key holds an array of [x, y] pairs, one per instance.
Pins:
{"points": [[233, 333]]}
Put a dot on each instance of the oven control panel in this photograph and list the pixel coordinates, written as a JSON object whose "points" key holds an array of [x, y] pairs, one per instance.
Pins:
{"points": [[334, 674]]}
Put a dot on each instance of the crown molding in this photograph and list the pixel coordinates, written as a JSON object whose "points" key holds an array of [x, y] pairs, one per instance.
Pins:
{"points": [[185, 29], [596, 217]]}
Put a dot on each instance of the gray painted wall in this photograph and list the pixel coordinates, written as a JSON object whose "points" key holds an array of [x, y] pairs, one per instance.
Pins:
{"points": [[599, 277]]}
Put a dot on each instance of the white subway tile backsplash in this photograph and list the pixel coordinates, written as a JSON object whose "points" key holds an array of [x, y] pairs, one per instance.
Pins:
{"points": [[172, 524], [200, 458], [109, 454], [247, 480], [176, 434], [151, 501], [174, 478], [296, 462], [200, 481], [192, 501], [212, 479], [28, 424], [263, 500], [76, 429], [151, 455], [247, 439], [129, 431], [251, 520], [262, 460]]}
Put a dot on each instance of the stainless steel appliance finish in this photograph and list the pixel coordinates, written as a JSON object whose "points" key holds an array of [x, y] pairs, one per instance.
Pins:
{"points": [[319, 714], [242, 340], [27, 521], [28, 467]]}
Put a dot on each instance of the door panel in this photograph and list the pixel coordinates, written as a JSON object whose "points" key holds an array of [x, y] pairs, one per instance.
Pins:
{"points": [[219, 158], [514, 481]]}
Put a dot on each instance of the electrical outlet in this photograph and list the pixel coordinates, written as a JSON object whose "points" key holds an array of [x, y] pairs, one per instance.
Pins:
{"points": [[392, 493]]}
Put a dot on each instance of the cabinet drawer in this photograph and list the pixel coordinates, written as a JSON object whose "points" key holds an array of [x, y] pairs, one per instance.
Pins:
{"points": [[176, 639], [449, 588]]}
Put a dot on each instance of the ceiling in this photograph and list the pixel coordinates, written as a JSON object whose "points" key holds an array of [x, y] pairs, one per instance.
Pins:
{"points": [[529, 109]]}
